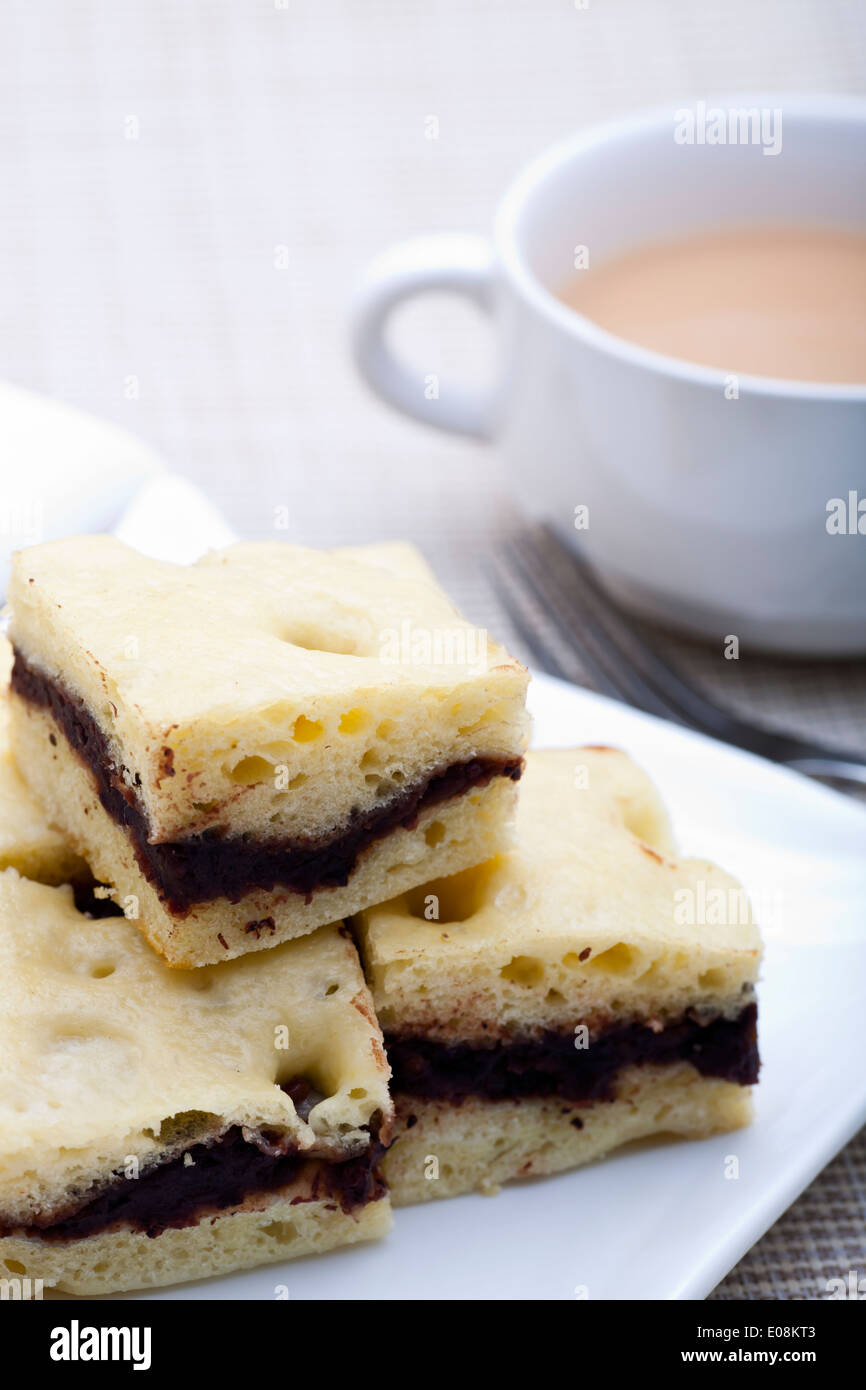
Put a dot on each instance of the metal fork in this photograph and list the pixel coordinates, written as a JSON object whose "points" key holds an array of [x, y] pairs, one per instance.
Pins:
{"points": [[570, 626]]}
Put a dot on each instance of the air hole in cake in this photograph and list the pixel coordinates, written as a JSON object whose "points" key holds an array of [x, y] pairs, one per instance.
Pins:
{"points": [[297, 781], [434, 834], [251, 770], [333, 643], [15, 1266], [385, 729], [523, 970], [102, 971], [354, 721], [553, 996], [280, 1231], [712, 979], [332, 989], [457, 897], [307, 730], [371, 759], [616, 960], [358, 1093], [573, 961]]}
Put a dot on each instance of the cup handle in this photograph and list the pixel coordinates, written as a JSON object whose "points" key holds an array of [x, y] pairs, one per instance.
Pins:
{"points": [[453, 264]]}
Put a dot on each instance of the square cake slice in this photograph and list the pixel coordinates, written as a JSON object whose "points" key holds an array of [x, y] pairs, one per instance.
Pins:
{"points": [[159, 1125], [266, 741], [586, 989]]}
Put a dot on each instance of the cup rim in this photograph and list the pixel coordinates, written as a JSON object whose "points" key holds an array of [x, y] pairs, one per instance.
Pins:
{"points": [[817, 106]]}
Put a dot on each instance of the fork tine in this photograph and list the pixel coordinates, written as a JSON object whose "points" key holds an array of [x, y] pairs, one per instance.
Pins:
{"points": [[693, 707], [514, 596], [548, 587], [609, 676], [542, 634], [612, 674], [539, 617], [687, 705]]}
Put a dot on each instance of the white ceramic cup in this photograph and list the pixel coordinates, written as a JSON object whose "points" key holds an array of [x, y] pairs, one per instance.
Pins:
{"points": [[710, 499]]}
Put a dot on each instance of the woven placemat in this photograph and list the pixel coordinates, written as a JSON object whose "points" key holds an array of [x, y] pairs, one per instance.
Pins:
{"points": [[819, 1240]]}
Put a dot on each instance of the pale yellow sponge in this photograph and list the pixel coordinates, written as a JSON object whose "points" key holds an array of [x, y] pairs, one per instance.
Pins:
{"points": [[265, 741], [157, 1124]]}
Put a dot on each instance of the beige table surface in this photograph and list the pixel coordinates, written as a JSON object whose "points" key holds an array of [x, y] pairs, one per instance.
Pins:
{"points": [[162, 161]]}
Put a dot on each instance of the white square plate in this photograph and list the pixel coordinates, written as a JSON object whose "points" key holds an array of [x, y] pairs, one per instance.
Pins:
{"points": [[662, 1220]]}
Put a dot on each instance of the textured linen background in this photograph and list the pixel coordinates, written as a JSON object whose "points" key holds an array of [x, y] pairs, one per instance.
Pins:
{"points": [[190, 190]]}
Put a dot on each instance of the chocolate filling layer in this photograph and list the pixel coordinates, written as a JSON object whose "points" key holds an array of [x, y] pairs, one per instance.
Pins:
{"points": [[549, 1064], [214, 865], [222, 1174]]}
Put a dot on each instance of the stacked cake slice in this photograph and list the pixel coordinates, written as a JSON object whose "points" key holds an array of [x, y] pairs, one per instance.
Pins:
{"points": [[264, 759], [248, 748], [159, 1125], [547, 1006]]}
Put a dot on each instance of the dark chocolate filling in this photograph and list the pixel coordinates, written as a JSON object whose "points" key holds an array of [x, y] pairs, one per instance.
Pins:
{"points": [[549, 1064], [223, 1173], [215, 865]]}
